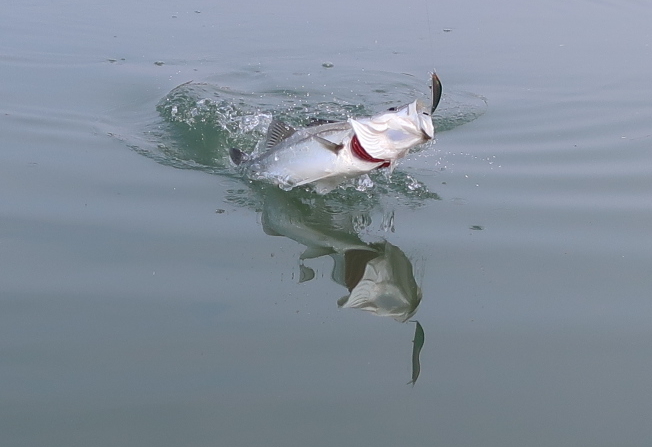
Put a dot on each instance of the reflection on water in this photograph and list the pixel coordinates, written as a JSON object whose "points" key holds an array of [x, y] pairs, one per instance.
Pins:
{"points": [[419, 340], [379, 277], [379, 280]]}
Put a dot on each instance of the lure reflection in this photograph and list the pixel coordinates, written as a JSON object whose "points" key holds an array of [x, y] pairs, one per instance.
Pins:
{"points": [[418, 341]]}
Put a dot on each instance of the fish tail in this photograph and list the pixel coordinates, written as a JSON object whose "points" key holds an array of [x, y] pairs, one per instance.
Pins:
{"points": [[237, 156]]}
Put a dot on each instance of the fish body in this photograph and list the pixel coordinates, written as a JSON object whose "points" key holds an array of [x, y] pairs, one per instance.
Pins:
{"points": [[310, 155], [327, 154]]}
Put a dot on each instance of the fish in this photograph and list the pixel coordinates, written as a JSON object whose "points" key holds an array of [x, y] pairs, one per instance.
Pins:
{"points": [[326, 154], [419, 340]]}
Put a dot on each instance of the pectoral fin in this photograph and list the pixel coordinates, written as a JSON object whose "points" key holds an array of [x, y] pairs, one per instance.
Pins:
{"points": [[333, 147]]}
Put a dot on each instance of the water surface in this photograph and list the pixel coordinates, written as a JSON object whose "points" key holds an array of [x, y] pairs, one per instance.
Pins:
{"points": [[150, 296]]}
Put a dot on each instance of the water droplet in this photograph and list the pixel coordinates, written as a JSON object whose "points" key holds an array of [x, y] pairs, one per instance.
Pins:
{"points": [[413, 184], [364, 183]]}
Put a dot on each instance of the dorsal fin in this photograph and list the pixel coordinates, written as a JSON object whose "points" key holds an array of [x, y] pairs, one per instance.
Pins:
{"points": [[277, 132], [333, 147]]}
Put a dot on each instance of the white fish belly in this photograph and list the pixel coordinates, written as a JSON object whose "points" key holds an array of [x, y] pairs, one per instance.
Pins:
{"points": [[294, 166]]}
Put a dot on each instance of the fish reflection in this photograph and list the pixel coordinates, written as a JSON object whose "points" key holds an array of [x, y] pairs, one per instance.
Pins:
{"points": [[379, 280], [378, 275]]}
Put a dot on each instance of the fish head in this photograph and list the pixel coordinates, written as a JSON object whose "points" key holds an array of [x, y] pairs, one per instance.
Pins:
{"points": [[390, 135], [385, 284]]}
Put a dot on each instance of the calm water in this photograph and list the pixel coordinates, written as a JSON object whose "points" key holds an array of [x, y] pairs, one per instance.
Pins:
{"points": [[149, 296]]}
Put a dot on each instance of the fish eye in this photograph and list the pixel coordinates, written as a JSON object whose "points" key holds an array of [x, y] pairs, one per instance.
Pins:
{"points": [[392, 109]]}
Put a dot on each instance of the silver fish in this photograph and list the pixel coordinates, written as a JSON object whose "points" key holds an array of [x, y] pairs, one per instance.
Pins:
{"points": [[325, 155]]}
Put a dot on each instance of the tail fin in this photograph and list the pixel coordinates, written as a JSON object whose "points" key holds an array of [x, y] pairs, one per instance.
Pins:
{"points": [[237, 156]]}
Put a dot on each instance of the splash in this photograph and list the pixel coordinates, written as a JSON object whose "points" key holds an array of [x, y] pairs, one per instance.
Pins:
{"points": [[198, 122]]}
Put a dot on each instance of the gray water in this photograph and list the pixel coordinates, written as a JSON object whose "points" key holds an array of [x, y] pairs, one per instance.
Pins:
{"points": [[144, 299]]}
